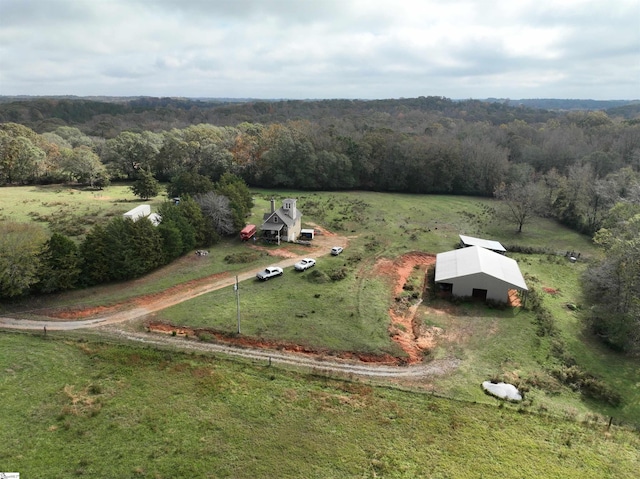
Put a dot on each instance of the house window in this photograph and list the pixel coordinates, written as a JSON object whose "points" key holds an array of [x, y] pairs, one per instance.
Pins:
{"points": [[275, 219]]}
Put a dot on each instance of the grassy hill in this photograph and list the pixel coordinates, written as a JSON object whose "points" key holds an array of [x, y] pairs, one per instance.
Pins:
{"points": [[85, 409]]}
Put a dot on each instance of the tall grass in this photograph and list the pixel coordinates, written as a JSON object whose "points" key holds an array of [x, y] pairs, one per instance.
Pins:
{"points": [[83, 409]]}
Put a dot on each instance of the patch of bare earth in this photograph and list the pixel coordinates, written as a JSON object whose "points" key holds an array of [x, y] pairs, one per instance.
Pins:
{"points": [[153, 301], [246, 341], [414, 339]]}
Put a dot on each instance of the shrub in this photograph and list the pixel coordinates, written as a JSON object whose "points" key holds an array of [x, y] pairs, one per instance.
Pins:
{"points": [[317, 276], [338, 274], [534, 300], [587, 384], [546, 325]]}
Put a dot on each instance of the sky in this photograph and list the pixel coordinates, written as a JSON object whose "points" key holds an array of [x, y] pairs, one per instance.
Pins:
{"points": [[322, 49]]}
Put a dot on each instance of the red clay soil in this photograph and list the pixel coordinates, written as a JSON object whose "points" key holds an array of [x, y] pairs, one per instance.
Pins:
{"points": [[236, 340], [413, 341], [139, 301]]}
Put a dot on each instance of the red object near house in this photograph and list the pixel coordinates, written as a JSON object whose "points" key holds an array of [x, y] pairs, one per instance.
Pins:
{"points": [[248, 232]]}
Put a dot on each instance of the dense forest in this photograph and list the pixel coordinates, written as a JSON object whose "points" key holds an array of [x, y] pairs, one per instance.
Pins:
{"points": [[577, 166]]}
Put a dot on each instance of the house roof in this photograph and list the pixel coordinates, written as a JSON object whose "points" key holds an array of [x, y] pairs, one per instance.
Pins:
{"points": [[489, 244], [286, 219], [270, 226], [474, 260]]}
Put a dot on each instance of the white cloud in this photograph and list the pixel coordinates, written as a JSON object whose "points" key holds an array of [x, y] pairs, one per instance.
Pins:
{"points": [[321, 48]]}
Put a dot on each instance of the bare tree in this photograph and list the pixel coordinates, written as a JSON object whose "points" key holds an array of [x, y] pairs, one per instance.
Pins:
{"points": [[521, 202], [218, 209]]}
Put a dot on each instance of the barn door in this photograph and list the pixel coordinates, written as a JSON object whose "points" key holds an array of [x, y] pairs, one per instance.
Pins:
{"points": [[479, 294]]}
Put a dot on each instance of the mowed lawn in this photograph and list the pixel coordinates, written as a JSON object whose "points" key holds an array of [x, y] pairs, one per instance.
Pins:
{"points": [[82, 409]]}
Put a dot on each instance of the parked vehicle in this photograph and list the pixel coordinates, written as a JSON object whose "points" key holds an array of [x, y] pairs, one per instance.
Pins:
{"points": [[336, 250], [305, 263], [248, 232], [269, 272]]}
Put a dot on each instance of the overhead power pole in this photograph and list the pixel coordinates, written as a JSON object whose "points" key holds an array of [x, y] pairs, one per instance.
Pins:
{"points": [[236, 287]]}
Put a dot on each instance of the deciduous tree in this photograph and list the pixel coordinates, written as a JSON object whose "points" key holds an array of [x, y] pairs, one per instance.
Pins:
{"points": [[520, 203], [612, 285], [20, 245], [146, 186], [217, 209]]}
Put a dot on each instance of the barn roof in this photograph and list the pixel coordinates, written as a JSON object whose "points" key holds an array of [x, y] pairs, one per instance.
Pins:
{"points": [[489, 244], [474, 260]]}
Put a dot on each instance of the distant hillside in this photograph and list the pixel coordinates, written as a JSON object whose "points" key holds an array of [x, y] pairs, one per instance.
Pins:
{"points": [[107, 116], [567, 104]]}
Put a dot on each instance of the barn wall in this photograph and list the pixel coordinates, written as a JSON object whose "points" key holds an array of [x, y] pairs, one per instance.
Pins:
{"points": [[496, 289]]}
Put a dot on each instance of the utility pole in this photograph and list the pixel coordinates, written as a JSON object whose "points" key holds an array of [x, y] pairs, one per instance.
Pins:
{"points": [[236, 287]]}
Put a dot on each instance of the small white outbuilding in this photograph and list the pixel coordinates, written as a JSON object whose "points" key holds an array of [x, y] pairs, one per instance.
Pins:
{"points": [[479, 273], [138, 212]]}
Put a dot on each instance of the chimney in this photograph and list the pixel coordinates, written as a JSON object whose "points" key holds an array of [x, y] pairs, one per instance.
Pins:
{"points": [[273, 205]]}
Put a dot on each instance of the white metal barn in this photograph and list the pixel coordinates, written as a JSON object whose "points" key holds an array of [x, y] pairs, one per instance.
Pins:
{"points": [[478, 272]]}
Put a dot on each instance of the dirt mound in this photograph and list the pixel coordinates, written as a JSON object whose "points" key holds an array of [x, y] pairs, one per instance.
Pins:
{"points": [[237, 340]]}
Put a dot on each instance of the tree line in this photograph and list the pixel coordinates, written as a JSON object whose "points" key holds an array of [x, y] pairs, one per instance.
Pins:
{"points": [[581, 163]]}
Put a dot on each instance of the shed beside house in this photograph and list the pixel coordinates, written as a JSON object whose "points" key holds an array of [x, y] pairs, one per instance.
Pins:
{"points": [[466, 241], [307, 233], [283, 224], [479, 273]]}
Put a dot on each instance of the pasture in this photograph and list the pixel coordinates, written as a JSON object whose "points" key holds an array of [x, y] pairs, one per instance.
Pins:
{"points": [[66, 209], [86, 409]]}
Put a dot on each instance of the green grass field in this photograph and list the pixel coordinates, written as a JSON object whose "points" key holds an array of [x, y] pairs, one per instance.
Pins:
{"points": [[68, 209], [83, 409], [179, 409]]}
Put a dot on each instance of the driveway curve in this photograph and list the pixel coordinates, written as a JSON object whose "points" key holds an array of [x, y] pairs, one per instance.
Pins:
{"points": [[109, 323]]}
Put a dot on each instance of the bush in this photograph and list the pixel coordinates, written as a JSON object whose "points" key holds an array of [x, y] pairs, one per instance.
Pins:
{"points": [[587, 384], [338, 274], [515, 248], [546, 325], [534, 300], [317, 276]]}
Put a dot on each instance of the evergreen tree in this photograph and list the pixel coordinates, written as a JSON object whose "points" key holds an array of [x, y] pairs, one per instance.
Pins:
{"points": [[172, 245], [94, 252], [59, 265], [174, 219]]}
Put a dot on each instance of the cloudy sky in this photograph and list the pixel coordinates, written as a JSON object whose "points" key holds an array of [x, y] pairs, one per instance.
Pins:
{"points": [[322, 48]]}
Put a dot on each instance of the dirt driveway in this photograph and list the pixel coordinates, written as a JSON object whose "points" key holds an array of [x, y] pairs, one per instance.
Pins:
{"points": [[139, 307]]}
